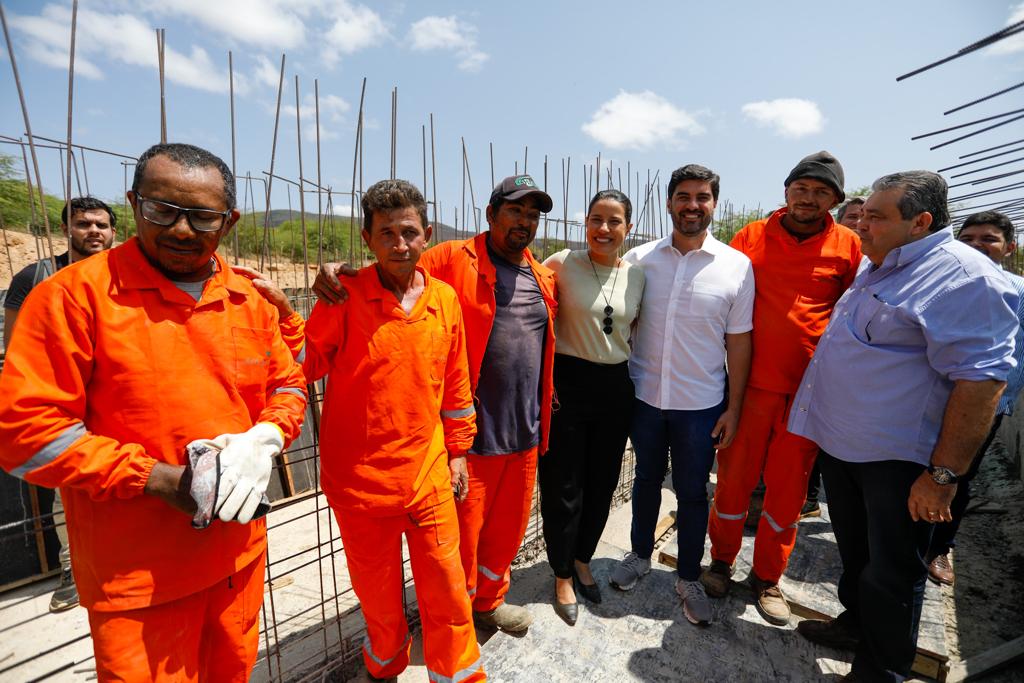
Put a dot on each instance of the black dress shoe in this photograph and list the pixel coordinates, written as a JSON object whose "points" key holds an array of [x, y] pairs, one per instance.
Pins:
{"points": [[567, 612], [588, 590], [831, 633]]}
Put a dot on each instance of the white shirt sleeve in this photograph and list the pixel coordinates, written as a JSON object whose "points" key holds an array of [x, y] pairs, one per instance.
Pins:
{"points": [[741, 314]]}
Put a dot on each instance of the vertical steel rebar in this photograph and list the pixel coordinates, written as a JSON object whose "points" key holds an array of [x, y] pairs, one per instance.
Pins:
{"points": [[31, 142], [161, 37], [433, 168], [302, 184], [234, 172], [265, 246], [319, 199], [355, 162]]}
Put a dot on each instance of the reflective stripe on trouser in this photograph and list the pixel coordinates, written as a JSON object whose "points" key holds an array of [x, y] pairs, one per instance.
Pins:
{"points": [[211, 635], [373, 550], [762, 446], [492, 521]]}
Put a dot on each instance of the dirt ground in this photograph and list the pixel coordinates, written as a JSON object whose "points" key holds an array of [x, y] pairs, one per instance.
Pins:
{"points": [[20, 249], [985, 607]]}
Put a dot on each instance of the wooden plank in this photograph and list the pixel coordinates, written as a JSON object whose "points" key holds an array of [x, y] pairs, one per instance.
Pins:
{"points": [[37, 527], [976, 665], [664, 525]]}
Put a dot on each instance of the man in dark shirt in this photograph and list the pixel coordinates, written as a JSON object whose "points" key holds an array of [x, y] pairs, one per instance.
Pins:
{"points": [[90, 231]]}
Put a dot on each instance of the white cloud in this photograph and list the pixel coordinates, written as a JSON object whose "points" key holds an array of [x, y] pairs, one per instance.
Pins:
{"points": [[48, 35], [789, 117], [332, 111], [267, 72], [450, 34], [1014, 43], [355, 28], [640, 120], [263, 23]]}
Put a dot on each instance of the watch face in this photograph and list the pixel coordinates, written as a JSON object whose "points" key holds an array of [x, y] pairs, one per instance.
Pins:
{"points": [[943, 475]]}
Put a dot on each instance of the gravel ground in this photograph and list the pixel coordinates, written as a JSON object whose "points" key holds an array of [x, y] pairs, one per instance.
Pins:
{"points": [[985, 606]]}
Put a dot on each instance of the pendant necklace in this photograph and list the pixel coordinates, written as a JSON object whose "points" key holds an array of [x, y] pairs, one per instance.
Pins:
{"points": [[606, 324]]}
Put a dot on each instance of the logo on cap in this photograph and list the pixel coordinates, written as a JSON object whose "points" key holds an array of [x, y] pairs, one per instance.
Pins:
{"points": [[525, 180]]}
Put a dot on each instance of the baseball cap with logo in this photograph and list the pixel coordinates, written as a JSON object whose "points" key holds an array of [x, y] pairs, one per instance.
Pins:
{"points": [[518, 186]]}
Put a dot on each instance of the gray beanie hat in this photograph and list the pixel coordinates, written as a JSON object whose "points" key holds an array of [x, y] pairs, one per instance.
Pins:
{"points": [[820, 166]]}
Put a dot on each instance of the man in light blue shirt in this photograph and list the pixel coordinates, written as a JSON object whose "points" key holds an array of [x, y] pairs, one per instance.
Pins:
{"points": [[992, 233], [899, 395]]}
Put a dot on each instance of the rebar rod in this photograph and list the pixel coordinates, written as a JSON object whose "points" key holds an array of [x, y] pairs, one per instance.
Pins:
{"points": [[433, 168], [985, 168], [302, 195], [71, 109], [319, 198], [978, 132], [983, 99], [265, 245], [31, 142], [234, 173], [472, 196], [974, 161], [355, 162], [989, 149], [1005, 32], [965, 125], [161, 37]]}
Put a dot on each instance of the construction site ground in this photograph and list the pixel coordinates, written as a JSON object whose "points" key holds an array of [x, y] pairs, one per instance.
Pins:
{"points": [[640, 635]]}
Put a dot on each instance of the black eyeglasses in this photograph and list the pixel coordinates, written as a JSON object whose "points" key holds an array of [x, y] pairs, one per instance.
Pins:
{"points": [[166, 215]]}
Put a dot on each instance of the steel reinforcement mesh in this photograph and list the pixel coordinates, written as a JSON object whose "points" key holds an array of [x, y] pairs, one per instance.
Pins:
{"points": [[311, 626]]}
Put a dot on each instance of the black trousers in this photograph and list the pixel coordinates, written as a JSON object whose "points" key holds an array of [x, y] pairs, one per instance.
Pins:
{"points": [[883, 552], [579, 472], [944, 537]]}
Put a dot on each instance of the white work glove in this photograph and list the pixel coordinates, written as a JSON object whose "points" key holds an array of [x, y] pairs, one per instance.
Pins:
{"points": [[246, 461]]}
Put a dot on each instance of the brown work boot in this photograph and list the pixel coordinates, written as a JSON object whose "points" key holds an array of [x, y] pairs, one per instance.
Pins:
{"points": [[771, 603], [717, 579], [505, 617], [940, 570]]}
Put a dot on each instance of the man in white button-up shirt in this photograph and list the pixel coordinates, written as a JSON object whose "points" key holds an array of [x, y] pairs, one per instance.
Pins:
{"points": [[695, 319]]}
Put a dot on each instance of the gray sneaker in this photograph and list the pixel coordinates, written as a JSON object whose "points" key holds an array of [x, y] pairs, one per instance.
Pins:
{"points": [[629, 571], [66, 595], [696, 606]]}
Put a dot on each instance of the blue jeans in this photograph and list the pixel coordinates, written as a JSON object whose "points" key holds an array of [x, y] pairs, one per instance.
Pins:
{"points": [[686, 434]]}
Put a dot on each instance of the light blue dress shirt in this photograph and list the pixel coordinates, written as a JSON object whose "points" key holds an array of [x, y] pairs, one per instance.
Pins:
{"points": [[936, 311], [1015, 380]]}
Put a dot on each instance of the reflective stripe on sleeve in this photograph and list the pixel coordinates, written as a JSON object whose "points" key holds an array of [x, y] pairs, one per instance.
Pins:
{"points": [[302, 354], [459, 412], [290, 390], [459, 676], [50, 451]]}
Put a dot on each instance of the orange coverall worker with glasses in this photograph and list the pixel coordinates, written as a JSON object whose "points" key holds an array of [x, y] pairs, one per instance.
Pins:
{"points": [[397, 406], [113, 370], [494, 516], [797, 284]]}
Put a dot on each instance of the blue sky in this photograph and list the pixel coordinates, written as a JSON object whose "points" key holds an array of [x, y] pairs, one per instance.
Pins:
{"points": [[747, 88]]}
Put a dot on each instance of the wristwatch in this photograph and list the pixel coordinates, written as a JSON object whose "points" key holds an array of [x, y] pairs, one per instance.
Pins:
{"points": [[942, 475]]}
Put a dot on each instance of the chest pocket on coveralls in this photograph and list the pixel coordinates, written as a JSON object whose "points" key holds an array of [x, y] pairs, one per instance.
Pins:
{"points": [[440, 346], [823, 286], [252, 359]]}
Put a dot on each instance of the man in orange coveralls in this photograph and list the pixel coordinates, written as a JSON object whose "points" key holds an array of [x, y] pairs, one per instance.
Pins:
{"points": [[508, 300], [803, 261], [120, 362], [398, 420]]}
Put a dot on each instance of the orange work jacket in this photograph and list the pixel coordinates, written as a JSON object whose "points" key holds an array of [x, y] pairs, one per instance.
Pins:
{"points": [[796, 286], [114, 369], [467, 267], [398, 400]]}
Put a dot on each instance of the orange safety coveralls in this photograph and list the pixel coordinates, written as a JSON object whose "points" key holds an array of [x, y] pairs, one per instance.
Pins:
{"points": [[397, 405], [494, 516], [114, 369], [796, 286]]}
